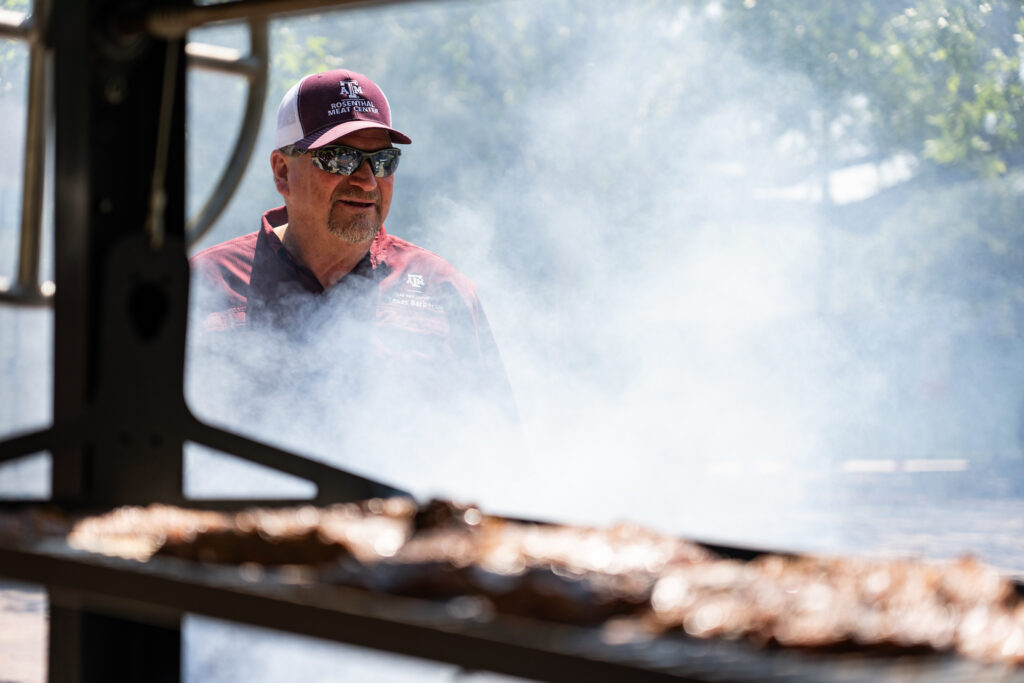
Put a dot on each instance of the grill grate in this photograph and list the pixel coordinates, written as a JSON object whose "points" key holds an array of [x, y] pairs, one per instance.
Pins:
{"points": [[450, 632]]}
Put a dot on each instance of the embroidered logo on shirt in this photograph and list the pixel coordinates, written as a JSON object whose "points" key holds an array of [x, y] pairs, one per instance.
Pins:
{"points": [[412, 294]]}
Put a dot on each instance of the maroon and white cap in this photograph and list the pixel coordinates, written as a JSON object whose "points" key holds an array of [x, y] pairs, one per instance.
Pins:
{"points": [[323, 107]]}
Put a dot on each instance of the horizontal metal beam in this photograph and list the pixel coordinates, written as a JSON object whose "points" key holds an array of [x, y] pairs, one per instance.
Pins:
{"points": [[160, 590], [21, 26], [32, 297], [171, 23], [461, 632]]}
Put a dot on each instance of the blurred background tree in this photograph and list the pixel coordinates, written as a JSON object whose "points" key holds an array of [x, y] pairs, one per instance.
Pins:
{"points": [[939, 80]]}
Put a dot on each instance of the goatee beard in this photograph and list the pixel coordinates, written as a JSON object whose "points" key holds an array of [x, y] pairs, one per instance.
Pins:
{"points": [[358, 227], [355, 231]]}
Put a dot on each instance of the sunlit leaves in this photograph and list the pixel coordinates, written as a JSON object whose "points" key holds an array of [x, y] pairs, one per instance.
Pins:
{"points": [[942, 78]]}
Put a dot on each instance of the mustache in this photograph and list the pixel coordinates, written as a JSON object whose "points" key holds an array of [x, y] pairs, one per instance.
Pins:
{"points": [[349, 195]]}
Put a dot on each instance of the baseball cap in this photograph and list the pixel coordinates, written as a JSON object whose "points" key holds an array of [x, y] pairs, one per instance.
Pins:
{"points": [[323, 107]]}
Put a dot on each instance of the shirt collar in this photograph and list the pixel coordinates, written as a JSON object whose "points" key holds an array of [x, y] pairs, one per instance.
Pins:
{"points": [[374, 258]]}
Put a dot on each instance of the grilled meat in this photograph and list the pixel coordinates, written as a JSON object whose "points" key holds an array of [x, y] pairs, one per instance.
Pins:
{"points": [[660, 584]]}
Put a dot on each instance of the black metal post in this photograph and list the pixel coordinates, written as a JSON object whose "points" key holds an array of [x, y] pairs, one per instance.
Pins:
{"points": [[87, 646], [120, 305]]}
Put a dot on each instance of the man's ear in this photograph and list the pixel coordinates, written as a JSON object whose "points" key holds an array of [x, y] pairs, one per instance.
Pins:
{"points": [[279, 166]]}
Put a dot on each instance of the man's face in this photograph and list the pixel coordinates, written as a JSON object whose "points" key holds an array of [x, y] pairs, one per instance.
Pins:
{"points": [[353, 207]]}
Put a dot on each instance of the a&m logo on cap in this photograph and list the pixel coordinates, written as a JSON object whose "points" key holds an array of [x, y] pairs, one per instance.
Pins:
{"points": [[352, 101], [351, 89]]}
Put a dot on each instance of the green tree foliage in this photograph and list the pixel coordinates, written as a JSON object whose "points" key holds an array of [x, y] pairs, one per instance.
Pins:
{"points": [[939, 79]]}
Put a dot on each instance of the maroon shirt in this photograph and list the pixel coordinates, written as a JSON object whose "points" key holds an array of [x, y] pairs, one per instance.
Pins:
{"points": [[417, 320]]}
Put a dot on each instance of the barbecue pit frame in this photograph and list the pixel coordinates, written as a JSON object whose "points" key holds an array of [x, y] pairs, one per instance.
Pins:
{"points": [[120, 418], [119, 415]]}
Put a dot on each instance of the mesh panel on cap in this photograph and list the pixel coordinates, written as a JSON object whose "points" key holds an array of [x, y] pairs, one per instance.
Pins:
{"points": [[289, 128]]}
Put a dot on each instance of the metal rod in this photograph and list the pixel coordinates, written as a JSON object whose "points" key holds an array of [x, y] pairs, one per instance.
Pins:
{"points": [[27, 444], [238, 160], [170, 23], [333, 485], [222, 60], [15, 25], [33, 170], [158, 194]]}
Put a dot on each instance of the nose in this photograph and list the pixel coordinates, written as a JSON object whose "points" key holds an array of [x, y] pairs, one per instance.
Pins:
{"points": [[363, 177]]}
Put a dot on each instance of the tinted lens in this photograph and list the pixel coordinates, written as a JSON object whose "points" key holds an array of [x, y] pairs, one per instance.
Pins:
{"points": [[385, 162], [346, 160], [338, 160]]}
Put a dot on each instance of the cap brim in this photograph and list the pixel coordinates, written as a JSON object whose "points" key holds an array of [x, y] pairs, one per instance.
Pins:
{"points": [[325, 137]]}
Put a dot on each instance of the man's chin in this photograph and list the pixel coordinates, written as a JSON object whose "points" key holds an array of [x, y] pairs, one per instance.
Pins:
{"points": [[354, 234]]}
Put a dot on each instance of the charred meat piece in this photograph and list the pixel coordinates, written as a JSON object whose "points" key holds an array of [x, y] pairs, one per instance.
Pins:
{"points": [[137, 532], [438, 513], [844, 603], [305, 535], [577, 574], [553, 572]]}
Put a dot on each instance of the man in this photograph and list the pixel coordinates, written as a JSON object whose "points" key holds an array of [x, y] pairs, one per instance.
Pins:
{"points": [[324, 317]]}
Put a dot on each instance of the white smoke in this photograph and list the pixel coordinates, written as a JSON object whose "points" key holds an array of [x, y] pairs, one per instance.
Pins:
{"points": [[655, 297], [658, 332]]}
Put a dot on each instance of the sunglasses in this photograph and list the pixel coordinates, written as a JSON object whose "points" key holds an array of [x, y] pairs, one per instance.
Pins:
{"points": [[342, 160]]}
